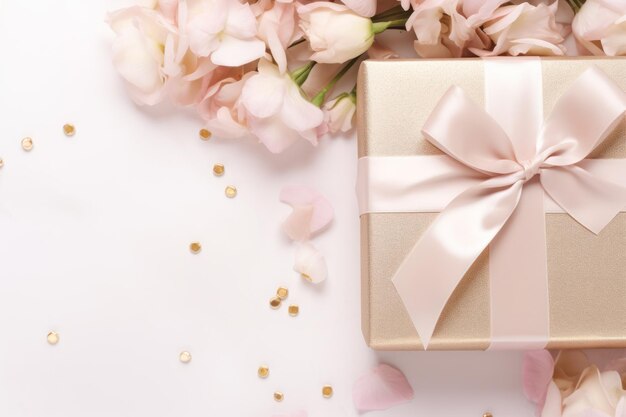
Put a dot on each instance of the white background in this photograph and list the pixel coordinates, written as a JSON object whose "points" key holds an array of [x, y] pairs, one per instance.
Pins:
{"points": [[94, 235]]}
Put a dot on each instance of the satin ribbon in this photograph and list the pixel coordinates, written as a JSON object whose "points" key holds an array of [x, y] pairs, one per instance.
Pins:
{"points": [[493, 187]]}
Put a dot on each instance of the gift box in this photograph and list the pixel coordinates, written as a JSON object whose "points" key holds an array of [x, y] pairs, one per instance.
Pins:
{"points": [[492, 208]]}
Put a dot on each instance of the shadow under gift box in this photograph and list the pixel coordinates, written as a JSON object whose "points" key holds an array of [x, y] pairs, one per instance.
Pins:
{"points": [[586, 272]]}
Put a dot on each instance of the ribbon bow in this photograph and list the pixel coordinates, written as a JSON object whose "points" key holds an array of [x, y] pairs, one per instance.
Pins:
{"points": [[514, 178]]}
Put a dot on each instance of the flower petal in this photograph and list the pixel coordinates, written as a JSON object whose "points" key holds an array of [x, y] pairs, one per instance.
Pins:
{"points": [[552, 406], [365, 8], [537, 371], [382, 388], [298, 224], [310, 263], [262, 95], [299, 196], [233, 52]]}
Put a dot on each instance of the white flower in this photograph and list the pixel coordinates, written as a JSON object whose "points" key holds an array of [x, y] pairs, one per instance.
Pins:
{"points": [[336, 33], [339, 113]]}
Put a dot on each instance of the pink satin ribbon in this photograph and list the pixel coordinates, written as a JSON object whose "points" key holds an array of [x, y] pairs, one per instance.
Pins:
{"points": [[505, 167]]}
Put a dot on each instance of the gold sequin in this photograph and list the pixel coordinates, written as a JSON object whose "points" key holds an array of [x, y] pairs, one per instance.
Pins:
{"points": [[195, 247], [52, 338], [278, 396], [282, 292], [264, 371], [294, 310], [327, 391], [205, 134], [487, 415], [27, 144], [1, 163], [218, 170], [230, 191], [275, 302], [185, 357], [69, 129]]}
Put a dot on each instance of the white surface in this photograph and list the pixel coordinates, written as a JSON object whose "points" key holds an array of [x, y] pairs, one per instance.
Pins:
{"points": [[94, 234]]}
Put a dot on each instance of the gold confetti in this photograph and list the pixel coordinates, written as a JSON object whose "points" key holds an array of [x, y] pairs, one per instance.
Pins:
{"points": [[69, 129], [264, 371], [218, 170], [230, 191], [282, 292], [27, 144], [278, 396], [327, 391], [306, 277], [1, 162], [294, 310], [205, 134], [195, 247], [275, 302], [487, 415], [185, 357], [52, 338]]}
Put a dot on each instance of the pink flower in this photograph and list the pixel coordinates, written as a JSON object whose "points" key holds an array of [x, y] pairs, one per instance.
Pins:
{"points": [[365, 8], [520, 29], [335, 33], [144, 38], [600, 26], [224, 30], [339, 113], [571, 386], [277, 113], [441, 30], [382, 388], [311, 213], [278, 28]]}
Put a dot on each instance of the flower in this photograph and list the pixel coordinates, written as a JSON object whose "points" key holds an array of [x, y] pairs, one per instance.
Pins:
{"points": [[276, 111], [382, 388], [571, 386], [600, 26], [339, 113], [521, 29], [225, 30], [336, 34], [311, 213], [139, 51], [278, 28], [310, 263]]}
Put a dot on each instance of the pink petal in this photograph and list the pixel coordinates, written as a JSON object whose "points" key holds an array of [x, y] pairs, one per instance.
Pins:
{"points": [[310, 263], [553, 402], [299, 196], [382, 388], [537, 371], [233, 52], [273, 133], [263, 96], [297, 225], [365, 8]]}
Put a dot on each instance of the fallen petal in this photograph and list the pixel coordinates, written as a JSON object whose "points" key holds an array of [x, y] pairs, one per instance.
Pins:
{"points": [[299, 196], [382, 388], [310, 263], [537, 371]]}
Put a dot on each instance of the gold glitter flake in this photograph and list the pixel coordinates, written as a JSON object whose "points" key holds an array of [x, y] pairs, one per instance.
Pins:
{"points": [[230, 191], [487, 415], [278, 396], [205, 134], [264, 371], [185, 357], [282, 292], [69, 129], [275, 303], [327, 391], [27, 144], [294, 310], [52, 338], [218, 170], [306, 277], [195, 247]]}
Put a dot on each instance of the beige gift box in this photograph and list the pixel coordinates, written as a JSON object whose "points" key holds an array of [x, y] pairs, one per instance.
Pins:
{"points": [[586, 272]]}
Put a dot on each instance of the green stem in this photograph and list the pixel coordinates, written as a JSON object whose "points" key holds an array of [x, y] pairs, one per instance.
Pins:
{"points": [[300, 75], [380, 27], [388, 13], [318, 100]]}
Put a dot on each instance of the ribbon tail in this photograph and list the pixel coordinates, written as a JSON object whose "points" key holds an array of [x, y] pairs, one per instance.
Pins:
{"points": [[436, 264], [589, 199]]}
